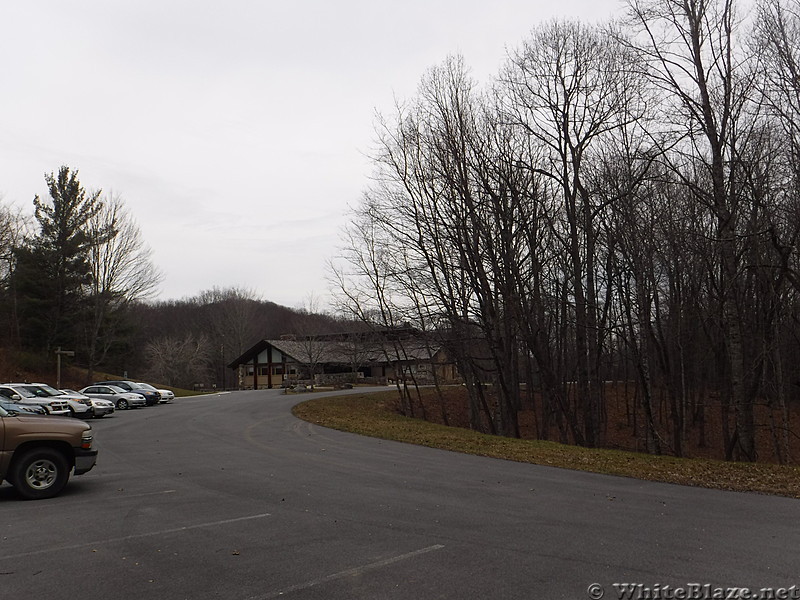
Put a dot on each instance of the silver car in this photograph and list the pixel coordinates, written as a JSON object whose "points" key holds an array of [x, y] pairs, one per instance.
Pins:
{"points": [[101, 408], [121, 399]]}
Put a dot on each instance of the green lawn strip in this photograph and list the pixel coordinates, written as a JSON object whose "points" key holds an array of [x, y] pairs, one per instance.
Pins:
{"points": [[367, 414]]}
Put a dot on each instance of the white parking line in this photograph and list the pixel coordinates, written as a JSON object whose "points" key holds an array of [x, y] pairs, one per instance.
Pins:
{"points": [[148, 494], [135, 536], [348, 573]]}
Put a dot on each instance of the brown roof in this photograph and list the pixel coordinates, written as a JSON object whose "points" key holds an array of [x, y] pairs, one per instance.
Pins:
{"points": [[342, 352]]}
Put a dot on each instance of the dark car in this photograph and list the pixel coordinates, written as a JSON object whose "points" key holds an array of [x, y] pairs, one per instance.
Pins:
{"points": [[151, 397], [13, 407]]}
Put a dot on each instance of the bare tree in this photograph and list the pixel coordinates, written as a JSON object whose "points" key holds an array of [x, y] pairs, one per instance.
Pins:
{"points": [[122, 273], [776, 41], [612, 202], [568, 87], [696, 62], [181, 362], [14, 227], [231, 320], [307, 326], [368, 279]]}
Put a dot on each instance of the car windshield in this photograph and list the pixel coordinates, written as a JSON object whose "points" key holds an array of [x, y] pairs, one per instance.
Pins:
{"points": [[146, 386], [37, 390], [24, 392], [50, 390]]}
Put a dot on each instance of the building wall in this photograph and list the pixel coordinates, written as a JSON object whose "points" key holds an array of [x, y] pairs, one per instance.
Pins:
{"points": [[272, 368], [267, 375], [277, 356]]}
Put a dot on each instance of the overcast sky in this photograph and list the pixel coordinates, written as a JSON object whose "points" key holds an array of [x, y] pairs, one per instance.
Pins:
{"points": [[234, 131]]}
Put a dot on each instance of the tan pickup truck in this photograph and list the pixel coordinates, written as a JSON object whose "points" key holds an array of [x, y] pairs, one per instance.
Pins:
{"points": [[38, 453]]}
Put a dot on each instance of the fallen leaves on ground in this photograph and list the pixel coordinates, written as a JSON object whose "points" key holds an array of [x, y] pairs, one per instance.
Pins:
{"points": [[367, 414]]}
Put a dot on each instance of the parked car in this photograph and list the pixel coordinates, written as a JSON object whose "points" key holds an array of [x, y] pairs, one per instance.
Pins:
{"points": [[152, 397], [100, 407], [13, 407], [73, 393], [79, 406], [167, 396], [54, 406], [37, 455], [121, 399]]}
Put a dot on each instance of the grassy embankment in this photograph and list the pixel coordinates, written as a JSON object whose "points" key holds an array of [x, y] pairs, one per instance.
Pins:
{"points": [[367, 414]]}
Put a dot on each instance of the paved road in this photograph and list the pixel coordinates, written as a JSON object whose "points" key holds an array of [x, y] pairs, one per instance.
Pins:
{"points": [[231, 497]]}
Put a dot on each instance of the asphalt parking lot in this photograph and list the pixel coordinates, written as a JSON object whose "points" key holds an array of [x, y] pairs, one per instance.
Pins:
{"points": [[229, 496]]}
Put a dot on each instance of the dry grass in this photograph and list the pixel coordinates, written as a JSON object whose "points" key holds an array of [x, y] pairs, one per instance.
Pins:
{"points": [[368, 414]]}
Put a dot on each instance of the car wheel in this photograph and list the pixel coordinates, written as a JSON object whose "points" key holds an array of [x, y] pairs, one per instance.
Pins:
{"points": [[40, 473], [122, 404], [71, 412]]}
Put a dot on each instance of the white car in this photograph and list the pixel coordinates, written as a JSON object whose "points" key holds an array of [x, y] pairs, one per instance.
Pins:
{"points": [[121, 399], [167, 396], [54, 406], [79, 405], [100, 408]]}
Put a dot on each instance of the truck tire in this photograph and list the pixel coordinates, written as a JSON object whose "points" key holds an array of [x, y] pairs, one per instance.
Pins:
{"points": [[40, 473]]}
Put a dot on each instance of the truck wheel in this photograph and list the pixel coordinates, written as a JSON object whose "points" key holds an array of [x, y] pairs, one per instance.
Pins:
{"points": [[40, 473]]}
